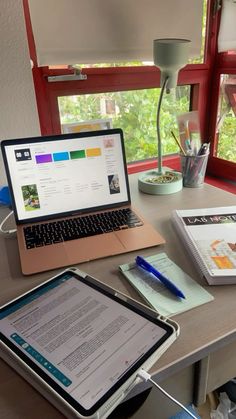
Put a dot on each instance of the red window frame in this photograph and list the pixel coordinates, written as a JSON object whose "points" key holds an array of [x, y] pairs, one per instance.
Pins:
{"points": [[225, 64], [204, 80]]}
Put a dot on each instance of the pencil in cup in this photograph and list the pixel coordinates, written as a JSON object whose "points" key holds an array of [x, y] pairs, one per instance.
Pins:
{"points": [[178, 143], [193, 170]]}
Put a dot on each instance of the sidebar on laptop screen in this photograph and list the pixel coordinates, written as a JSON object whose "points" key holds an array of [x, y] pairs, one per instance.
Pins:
{"points": [[66, 175]]}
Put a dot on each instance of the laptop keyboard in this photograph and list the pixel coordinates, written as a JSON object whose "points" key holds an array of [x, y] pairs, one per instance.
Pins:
{"points": [[79, 227]]}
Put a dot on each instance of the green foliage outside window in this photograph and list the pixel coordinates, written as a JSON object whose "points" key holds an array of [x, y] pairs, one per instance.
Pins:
{"points": [[226, 127], [227, 139], [135, 114]]}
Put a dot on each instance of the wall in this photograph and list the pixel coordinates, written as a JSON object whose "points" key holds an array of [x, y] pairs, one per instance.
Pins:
{"points": [[18, 110]]}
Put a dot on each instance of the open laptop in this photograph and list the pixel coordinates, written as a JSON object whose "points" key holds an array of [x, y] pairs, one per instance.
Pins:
{"points": [[71, 199]]}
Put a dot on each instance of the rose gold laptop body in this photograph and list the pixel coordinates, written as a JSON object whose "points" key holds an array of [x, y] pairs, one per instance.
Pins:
{"points": [[44, 158]]}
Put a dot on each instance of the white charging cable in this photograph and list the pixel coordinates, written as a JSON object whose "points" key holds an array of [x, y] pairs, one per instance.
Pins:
{"points": [[6, 232], [147, 377]]}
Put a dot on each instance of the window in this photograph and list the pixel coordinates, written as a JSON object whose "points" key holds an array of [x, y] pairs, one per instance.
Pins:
{"points": [[226, 119], [134, 111], [222, 124], [222, 118], [126, 94]]}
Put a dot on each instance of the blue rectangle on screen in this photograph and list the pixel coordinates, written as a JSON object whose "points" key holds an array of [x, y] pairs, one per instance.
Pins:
{"points": [[61, 156]]}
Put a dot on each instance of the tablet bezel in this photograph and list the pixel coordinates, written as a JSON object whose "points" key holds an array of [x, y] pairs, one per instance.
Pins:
{"points": [[116, 296]]}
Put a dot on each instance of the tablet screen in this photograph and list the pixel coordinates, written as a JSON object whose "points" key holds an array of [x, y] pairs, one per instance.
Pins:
{"points": [[82, 341]]}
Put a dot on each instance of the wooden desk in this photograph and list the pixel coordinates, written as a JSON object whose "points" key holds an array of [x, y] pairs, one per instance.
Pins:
{"points": [[201, 359]]}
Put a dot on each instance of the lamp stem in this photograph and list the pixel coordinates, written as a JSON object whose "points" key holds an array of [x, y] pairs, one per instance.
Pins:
{"points": [[158, 127]]}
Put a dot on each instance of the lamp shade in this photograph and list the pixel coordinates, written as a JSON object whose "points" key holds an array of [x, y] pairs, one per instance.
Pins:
{"points": [[170, 55]]}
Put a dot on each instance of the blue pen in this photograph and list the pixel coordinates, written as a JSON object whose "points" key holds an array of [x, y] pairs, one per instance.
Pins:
{"points": [[166, 282]]}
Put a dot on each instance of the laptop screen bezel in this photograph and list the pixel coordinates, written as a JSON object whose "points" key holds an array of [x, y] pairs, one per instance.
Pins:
{"points": [[59, 137]]}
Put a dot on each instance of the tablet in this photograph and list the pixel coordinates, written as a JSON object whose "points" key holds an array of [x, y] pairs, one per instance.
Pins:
{"points": [[81, 343]]}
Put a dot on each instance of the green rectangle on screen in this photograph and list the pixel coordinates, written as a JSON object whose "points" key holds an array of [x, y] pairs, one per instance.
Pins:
{"points": [[77, 154]]}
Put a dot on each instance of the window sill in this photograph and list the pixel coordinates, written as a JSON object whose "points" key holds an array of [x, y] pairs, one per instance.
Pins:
{"points": [[174, 163]]}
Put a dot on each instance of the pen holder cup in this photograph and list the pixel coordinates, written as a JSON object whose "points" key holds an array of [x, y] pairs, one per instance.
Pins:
{"points": [[193, 170]]}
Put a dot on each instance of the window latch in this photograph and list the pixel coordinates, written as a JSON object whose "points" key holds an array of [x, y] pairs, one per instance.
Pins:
{"points": [[77, 75]]}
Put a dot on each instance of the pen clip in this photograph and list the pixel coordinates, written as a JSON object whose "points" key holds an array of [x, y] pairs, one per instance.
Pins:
{"points": [[142, 263]]}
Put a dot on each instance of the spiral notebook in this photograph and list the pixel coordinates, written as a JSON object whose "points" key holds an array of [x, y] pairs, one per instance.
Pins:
{"points": [[209, 235]]}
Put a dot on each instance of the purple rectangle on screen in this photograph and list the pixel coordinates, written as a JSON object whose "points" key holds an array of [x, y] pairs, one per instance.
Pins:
{"points": [[43, 158]]}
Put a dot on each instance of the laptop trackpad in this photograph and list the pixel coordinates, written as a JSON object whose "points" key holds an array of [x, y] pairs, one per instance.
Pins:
{"points": [[70, 253], [93, 248], [140, 237]]}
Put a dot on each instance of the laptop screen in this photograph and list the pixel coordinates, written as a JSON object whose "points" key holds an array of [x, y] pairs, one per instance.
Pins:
{"points": [[66, 174]]}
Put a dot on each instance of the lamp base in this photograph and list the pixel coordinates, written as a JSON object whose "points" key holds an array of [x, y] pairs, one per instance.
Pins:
{"points": [[153, 183]]}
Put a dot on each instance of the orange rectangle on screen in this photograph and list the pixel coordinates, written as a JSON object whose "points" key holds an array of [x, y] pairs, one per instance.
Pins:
{"points": [[93, 152]]}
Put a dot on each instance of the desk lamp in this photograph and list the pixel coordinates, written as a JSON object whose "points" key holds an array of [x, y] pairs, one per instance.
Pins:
{"points": [[170, 55]]}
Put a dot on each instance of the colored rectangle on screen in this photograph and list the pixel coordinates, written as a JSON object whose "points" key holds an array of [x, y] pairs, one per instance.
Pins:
{"points": [[61, 156], [93, 152], [77, 154], [43, 158]]}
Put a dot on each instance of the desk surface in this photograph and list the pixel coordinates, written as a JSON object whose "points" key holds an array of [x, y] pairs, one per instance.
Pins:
{"points": [[204, 329]]}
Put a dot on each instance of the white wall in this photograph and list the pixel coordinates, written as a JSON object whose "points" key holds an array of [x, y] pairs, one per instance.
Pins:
{"points": [[18, 110]]}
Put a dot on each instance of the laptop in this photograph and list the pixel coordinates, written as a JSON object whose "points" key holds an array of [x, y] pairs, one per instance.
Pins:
{"points": [[71, 199]]}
